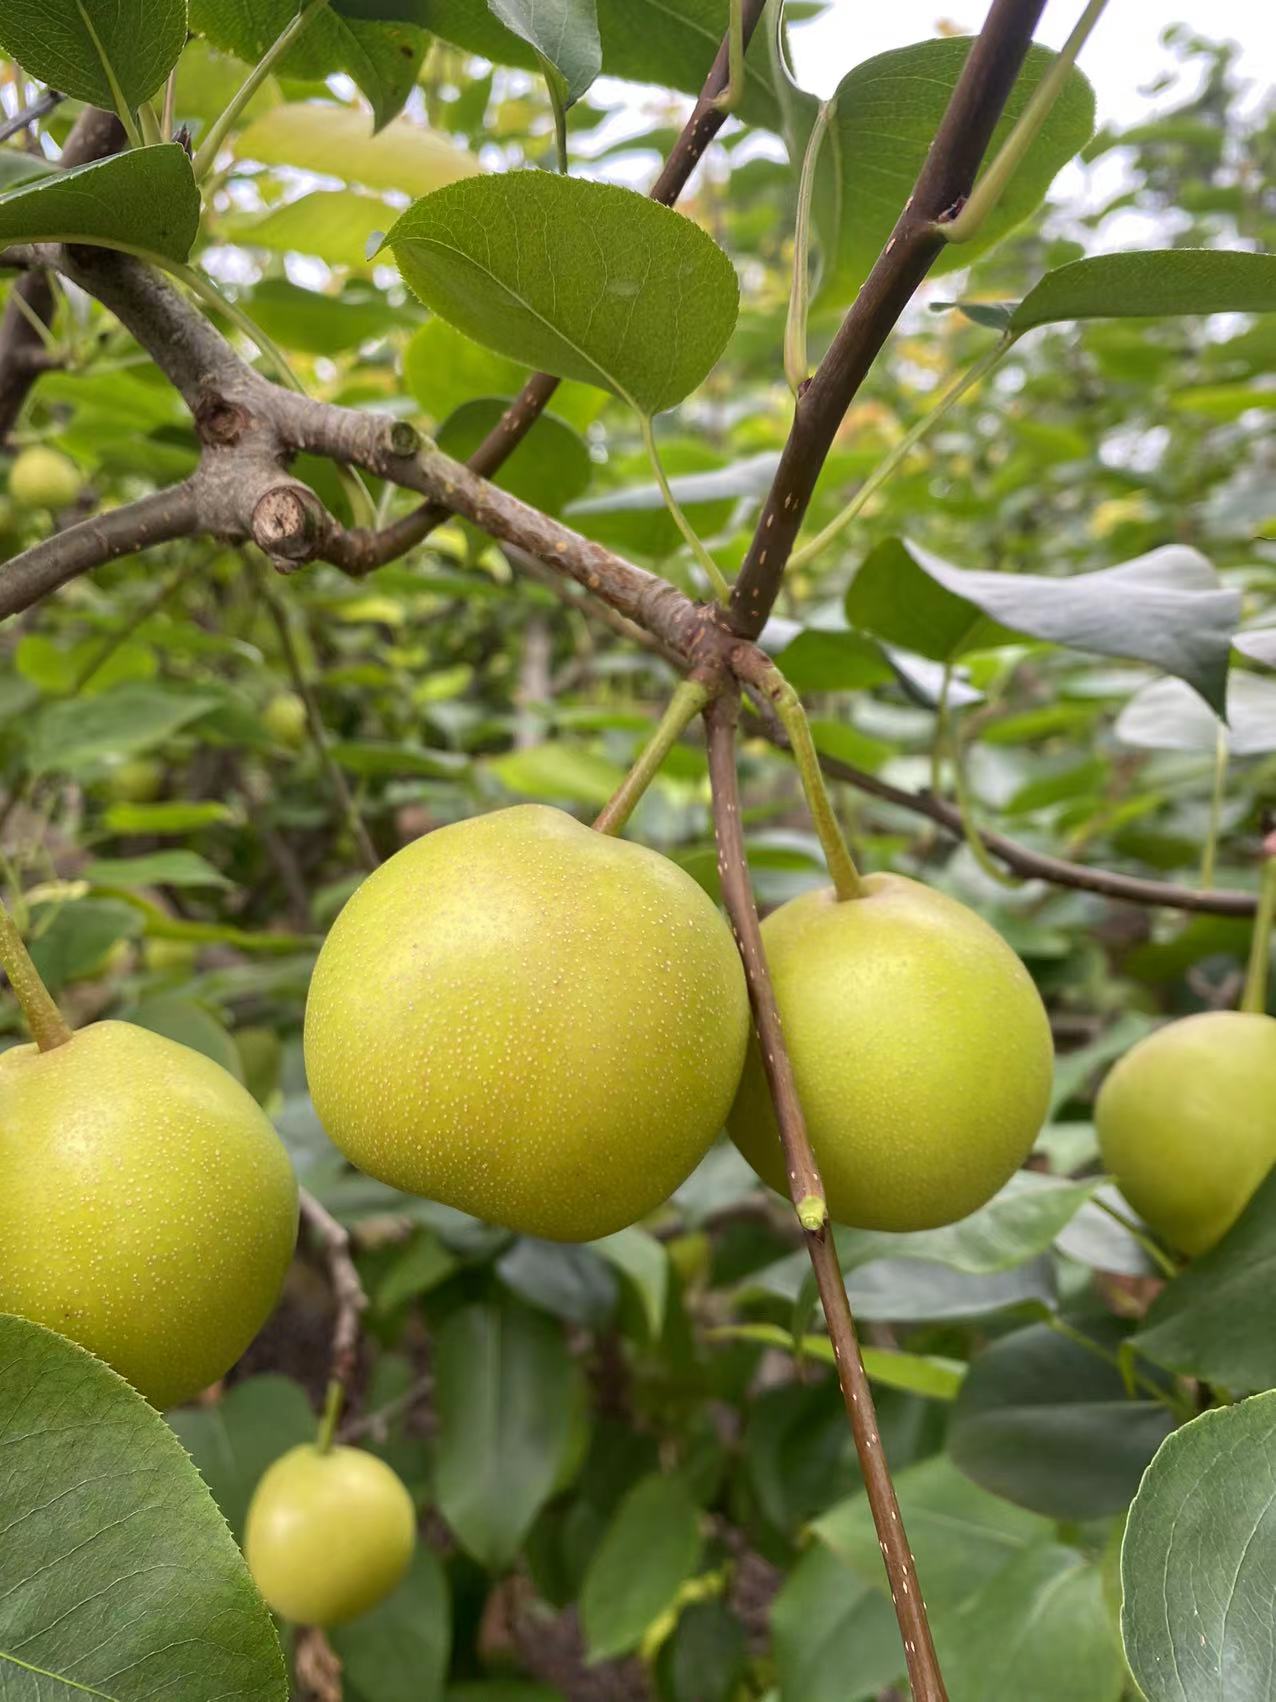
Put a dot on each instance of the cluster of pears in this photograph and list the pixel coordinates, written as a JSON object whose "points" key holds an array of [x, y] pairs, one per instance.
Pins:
{"points": [[547, 1027]]}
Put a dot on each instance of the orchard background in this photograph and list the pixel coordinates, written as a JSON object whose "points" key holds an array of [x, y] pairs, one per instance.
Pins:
{"points": [[263, 631]]}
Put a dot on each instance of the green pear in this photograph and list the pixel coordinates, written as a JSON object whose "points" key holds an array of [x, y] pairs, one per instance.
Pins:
{"points": [[920, 1047], [284, 718], [140, 780], [530, 1021], [43, 478], [329, 1534], [147, 1207], [1187, 1123]]}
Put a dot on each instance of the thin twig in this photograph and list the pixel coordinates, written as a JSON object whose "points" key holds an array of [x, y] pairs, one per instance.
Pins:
{"points": [[944, 182], [333, 1241], [319, 736], [48, 102], [804, 1187]]}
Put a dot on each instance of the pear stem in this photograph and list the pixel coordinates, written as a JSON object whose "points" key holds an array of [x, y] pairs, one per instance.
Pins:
{"points": [[333, 1401], [1210, 850], [1254, 998], [685, 704], [847, 881], [43, 1017]]}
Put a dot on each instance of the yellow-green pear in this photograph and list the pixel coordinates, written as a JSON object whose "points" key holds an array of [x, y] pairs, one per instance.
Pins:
{"points": [[1187, 1123], [329, 1534], [530, 1021], [140, 780], [921, 1050], [147, 1208], [43, 478], [284, 718]]}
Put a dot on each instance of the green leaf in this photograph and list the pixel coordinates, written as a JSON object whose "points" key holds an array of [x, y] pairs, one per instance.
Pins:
{"points": [[145, 198], [962, 1537], [423, 1265], [383, 57], [1049, 1425], [1167, 608], [399, 1651], [234, 1441], [548, 469], [1166, 716], [645, 312], [667, 42], [188, 1023], [634, 518], [444, 370], [118, 1577], [72, 940], [76, 736], [322, 324], [888, 109], [337, 141], [1214, 1321], [94, 51], [337, 225], [559, 771], [1019, 1223], [159, 868], [503, 1386], [569, 1281], [1154, 282], [564, 34], [648, 1549], [375, 758], [1198, 1560], [644, 1262], [914, 1373], [835, 1636], [1259, 645], [1039, 1628], [175, 816]]}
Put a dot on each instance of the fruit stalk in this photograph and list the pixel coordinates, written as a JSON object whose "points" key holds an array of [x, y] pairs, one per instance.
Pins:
{"points": [[1254, 998], [333, 1240], [806, 1190], [43, 1017], [788, 706], [685, 704]]}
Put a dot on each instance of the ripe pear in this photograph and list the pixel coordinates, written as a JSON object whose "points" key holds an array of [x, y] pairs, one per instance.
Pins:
{"points": [[284, 718], [921, 1050], [1187, 1123], [42, 478], [329, 1534], [147, 1207], [530, 1021]]}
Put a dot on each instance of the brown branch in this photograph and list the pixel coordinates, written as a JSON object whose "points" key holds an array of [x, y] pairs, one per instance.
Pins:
{"points": [[804, 1183], [154, 519], [945, 181], [333, 1241], [22, 356], [1033, 865], [48, 102]]}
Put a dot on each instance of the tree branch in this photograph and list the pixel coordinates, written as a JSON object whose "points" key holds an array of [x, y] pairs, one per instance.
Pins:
{"points": [[333, 1241], [1033, 865], [154, 519], [944, 182], [804, 1186], [94, 134]]}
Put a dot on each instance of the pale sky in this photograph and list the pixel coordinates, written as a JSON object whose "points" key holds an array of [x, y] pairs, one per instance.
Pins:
{"points": [[1122, 56]]}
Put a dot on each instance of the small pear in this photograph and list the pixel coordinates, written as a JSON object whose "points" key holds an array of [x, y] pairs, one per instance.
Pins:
{"points": [[1187, 1123], [148, 1209], [921, 1050], [44, 478], [528, 1020], [329, 1534]]}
